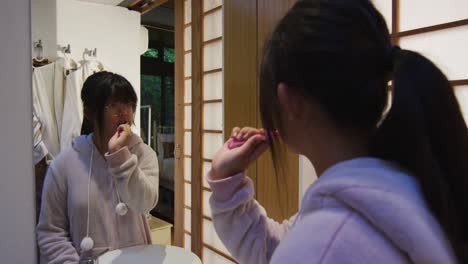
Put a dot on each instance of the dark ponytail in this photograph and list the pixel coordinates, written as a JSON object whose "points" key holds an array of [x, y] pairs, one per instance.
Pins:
{"points": [[426, 133], [339, 53]]}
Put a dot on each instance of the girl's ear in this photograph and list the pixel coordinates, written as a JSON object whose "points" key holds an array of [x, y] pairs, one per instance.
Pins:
{"points": [[290, 101]]}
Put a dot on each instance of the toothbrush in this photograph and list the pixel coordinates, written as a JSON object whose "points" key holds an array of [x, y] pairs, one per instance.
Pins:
{"points": [[235, 143], [120, 130]]}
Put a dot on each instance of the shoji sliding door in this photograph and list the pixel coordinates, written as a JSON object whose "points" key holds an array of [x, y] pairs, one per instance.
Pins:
{"points": [[438, 29], [184, 194], [213, 123], [202, 124], [213, 250]]}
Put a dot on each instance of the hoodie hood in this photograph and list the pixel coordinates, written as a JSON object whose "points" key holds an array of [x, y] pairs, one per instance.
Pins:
{"points": [[390, 199], [84, 143]]}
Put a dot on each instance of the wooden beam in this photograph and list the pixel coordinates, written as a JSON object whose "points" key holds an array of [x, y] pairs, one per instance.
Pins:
{"points": [[204, 188], [213, 102], [197, 133], [169, 4], [433, 28], [278, 195], [179, 125], [152, 5], [213, 40], [220, 253], [395, 20], [213, 71], [459, 82], [136, 5], [213, 131], [213, 10], [240, 68]]}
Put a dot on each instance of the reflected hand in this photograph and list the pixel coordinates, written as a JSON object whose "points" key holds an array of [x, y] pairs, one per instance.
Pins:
{"points": [[121, 138]]}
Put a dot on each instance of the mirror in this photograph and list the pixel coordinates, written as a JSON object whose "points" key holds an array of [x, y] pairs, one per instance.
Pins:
{"points": [[99, 191]]}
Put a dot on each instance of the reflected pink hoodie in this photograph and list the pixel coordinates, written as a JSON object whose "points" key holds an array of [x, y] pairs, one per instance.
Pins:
{"points": [[132, 172], [363, 210]]}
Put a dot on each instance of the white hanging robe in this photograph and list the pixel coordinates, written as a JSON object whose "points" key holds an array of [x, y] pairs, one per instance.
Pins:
{"points": [[62, 67], [43, 107], [39, 148], [73, 107]]}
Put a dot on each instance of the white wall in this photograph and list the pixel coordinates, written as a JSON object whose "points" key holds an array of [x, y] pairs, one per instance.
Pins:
{"points": [[16, 169], [113, 30], [307, 176], [43, 21]]}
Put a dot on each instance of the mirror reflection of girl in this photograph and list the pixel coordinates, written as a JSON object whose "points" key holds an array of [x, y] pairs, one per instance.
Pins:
{"points": [[118, 167], [391, 188]]}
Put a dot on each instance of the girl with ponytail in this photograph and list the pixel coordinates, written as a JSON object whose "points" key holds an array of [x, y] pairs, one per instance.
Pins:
{"points": [[381, 126]]}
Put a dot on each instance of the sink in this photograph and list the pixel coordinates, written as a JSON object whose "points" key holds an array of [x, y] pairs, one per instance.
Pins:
{"points": [[154, 254]]}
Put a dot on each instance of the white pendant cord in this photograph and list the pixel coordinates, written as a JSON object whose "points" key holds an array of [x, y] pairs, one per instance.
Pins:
{"points": [[87, 243], [89, 185], [116, 191]]}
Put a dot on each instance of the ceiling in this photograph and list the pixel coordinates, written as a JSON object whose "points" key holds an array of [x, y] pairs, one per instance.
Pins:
{"points": [[162, 16], [159, 17], [104, 2], [125, 3]]}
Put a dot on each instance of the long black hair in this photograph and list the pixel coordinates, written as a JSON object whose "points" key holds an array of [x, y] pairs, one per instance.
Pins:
{"points": [[339, 53], [100, 89]]}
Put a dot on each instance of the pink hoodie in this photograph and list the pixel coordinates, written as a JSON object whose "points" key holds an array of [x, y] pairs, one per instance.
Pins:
{"points": [[363, 210]]}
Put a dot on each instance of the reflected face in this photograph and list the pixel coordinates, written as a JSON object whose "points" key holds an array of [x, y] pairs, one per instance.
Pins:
{"points": [[115, 114]]}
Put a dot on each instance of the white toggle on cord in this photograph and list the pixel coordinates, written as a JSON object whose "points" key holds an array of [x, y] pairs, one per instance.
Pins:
{"points": [[120, 208]]}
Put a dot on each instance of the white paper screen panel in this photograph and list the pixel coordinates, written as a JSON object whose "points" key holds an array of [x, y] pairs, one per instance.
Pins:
{"points": [[188, 117], [213, 86], [206, 169], [211, 144], [210, 4], [211, 257], [462, 96], [385, 8], [188, 65], [188, 194], [210, 237], [188, 143], [188, 38], [213, 25], [188, 11], [188, 169], [187, 242], [188, 91], [213, 116], [446, 48], [188, 220], [213, 55], [423, 13], [206, 204]]}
